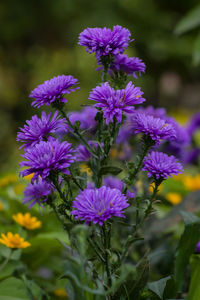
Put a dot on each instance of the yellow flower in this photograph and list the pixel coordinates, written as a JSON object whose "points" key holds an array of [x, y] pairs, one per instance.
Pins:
{"points": [[14, 241], [173, 198], [1, 206], [61, 293], [151, 188], [86, 169], [19, 188], [113, 153], [27, 221], [192, 183], [29, 177], [9, 179]]}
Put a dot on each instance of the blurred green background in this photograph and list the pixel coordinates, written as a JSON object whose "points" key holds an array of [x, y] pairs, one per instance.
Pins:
{"points": [[39, 40]]}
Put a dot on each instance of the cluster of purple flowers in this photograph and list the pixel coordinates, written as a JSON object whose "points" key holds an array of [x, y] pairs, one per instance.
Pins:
{"points": [[105, 42], [46, 156]]}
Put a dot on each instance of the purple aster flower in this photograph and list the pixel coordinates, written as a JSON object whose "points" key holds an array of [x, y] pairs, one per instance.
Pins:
{"points": [[151, 111], [37, 192], [115, 102], [156, 128], [98, 205], [53, 89], [116, 183], [82, 153], [104, 41], [190, 156], [160, 165], [36, 130], [197, 250], [86, 117], [194, 124], [113, 182], [128, 65], [46, 157]]}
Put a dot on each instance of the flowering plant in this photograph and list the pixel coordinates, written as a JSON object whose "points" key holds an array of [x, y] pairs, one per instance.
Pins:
{"points": [[108, 192]]}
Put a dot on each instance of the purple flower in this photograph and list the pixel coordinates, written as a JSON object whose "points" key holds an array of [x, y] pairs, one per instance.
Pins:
{"points": [[128, 65], [98, 205], [36, 130], [116, 183], [53, 89], [115, 102], [156, 128], [152, 111], [197, 250], [104, 41], [37, 192], [82, 153], [86, 117], [194, 123], [46, 157], [113, 183], [160, 165]]}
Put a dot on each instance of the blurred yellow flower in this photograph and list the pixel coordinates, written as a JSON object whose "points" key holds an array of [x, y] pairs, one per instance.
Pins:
{"points": [[27, 221], [85, 169], [151, 188], [1, 206], [29, 177], [192, 183], [13, 241], [19, 188], [173, 198], [113, 153], [61, 293], [7, 180]]}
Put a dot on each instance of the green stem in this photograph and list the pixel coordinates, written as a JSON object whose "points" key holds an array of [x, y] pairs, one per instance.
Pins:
{"points": [[6, 260], [106, 242], [139, 164], [77, 134]]}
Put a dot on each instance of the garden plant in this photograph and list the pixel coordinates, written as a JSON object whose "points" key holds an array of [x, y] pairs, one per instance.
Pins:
{"points": [[96, 179]]}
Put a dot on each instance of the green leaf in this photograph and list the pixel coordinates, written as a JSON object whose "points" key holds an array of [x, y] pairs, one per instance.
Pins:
{"points": [[13, 289], [189, 218], [196, 52], [186, 246], [190, 21], [194, 289], [163, 288], [110, 170], [142, 278]]}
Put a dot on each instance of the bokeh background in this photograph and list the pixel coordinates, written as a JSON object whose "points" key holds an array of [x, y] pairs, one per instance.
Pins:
{"points": [[38, 40]]}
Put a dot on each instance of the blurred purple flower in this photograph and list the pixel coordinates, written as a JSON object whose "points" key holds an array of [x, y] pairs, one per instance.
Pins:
{"points": [[194, 123], [53, 90], [115, 102], [197, 250], [104, 41], [160, 165], [46, 157], [37, 192], [128, 65], [86, 117], [38, 129], [98, 205], [116, 183]]}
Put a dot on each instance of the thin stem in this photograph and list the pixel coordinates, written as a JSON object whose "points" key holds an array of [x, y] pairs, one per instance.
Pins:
{"points": [[6, 260], [93, 245], [77, 134], [106, 241]]}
